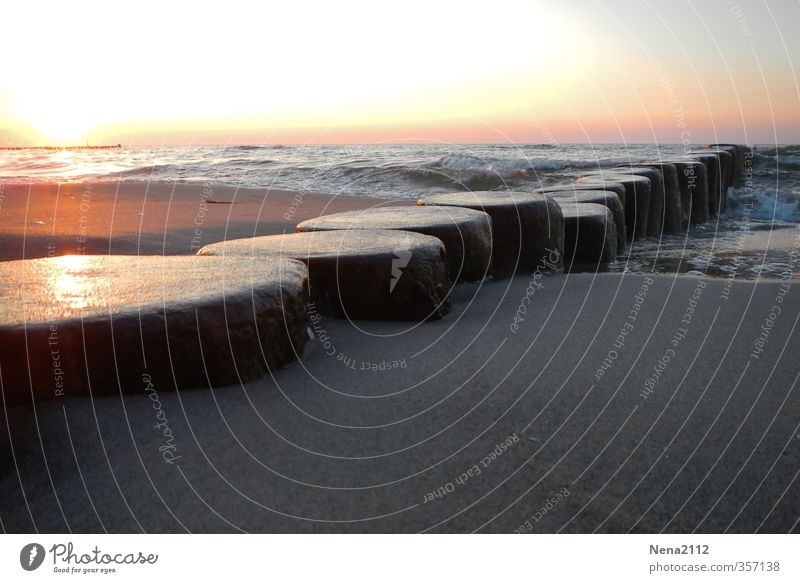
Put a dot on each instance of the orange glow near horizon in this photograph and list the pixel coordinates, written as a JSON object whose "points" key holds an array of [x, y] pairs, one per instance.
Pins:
{"points": [[526, 70]]}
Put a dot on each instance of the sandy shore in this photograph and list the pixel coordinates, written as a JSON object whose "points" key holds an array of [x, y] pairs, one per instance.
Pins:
{"points": [[613, 404], [572, 403], [150, 218]]}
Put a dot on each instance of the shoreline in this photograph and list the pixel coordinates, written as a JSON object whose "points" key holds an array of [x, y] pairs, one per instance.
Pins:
{"points": [[129, 218], [50, 219]]}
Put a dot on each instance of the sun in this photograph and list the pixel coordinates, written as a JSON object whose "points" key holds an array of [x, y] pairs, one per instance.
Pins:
{"points": [[60, 120], [61, 130]]}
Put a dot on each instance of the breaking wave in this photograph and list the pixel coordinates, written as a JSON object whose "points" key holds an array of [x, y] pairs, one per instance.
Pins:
{"points": [[391, 171]]}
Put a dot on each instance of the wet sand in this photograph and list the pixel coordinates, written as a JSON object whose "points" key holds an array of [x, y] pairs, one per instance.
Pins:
{"points": [[43, 220], [561, 403]]}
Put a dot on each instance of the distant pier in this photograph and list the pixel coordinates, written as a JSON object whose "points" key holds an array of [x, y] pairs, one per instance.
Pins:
{"points": [[110, 147]]}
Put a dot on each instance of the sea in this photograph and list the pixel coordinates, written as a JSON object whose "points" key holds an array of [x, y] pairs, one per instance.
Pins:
{"points": [[753, 239]]}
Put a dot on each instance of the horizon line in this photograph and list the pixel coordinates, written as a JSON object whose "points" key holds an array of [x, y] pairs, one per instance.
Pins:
{"points": [[120, 145]]}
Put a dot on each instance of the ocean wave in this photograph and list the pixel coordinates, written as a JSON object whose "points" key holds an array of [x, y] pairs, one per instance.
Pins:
{"points": [[40, 166], [244, 147], [766, 205], [783, 150], [788, 163], [245, 162], [256, 147], [386, 171], [782, 158], [159, 170], [471, 169]]}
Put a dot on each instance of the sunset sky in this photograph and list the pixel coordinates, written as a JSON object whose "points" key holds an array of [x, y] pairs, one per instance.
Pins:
{"points": [[348, 71]]}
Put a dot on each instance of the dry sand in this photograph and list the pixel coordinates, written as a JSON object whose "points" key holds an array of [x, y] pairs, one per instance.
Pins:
{"points": [[396, 427]]}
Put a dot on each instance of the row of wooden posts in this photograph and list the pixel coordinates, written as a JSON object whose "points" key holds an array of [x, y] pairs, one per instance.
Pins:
{"points": [[81, 325]]}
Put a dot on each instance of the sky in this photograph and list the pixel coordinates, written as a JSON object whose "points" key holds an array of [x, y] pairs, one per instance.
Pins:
{"points": [[348, 71]]}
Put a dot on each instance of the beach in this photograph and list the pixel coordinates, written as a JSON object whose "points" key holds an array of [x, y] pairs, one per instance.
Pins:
{"points": [[577, 402], [616, 404], [447, 268], [149, 218]]}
